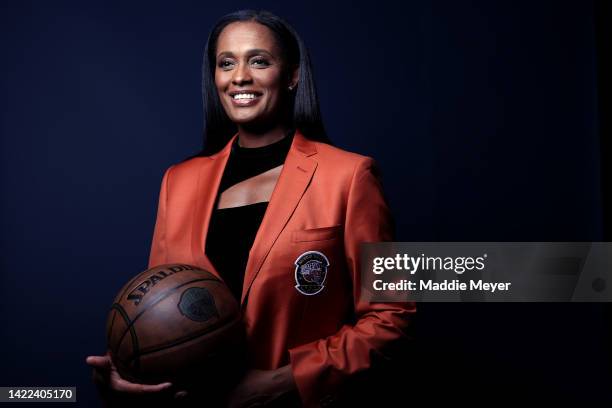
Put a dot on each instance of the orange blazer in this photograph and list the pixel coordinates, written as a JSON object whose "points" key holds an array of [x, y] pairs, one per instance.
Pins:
{"points": [[299, 307]]}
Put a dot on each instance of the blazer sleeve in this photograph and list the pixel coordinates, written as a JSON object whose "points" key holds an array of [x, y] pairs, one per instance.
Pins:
{"points": [[324, 367], [158, 255]]}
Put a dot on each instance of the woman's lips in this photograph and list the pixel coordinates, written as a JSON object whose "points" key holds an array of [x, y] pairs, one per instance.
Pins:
{"points": [[245, 99]]}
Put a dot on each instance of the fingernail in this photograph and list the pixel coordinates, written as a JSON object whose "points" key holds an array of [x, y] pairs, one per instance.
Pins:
{"points": [[166, 385]]}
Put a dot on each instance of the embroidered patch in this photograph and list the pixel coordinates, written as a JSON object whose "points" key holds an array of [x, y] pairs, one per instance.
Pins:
{"points": [[310, 272]]}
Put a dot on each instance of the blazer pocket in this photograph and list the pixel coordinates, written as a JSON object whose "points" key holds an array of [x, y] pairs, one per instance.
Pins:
{"points": [[317, 234]]}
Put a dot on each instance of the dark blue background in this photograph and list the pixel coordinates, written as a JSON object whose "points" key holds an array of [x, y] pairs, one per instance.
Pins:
{"points": [[482, 115]]}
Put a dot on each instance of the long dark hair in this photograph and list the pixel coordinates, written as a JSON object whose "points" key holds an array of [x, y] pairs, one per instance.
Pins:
{"points": [[218, 128]]}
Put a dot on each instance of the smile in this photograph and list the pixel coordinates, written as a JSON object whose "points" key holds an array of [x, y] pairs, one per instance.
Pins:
{"points": [[244, 98]]}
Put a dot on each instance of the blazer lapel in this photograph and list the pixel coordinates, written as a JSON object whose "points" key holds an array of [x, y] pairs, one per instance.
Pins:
{"points": [[290, 187], [209, 179]]}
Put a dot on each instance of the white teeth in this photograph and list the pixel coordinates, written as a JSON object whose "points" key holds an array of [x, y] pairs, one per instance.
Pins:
{"points": [[244, 96]]}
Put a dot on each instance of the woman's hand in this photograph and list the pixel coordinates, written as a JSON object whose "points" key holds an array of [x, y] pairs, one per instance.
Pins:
{"points": [[111, 386], [262, 387]]}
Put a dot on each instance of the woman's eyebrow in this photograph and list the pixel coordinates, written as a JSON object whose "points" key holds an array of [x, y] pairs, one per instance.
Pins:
{"points": [[259, 51], [249, 53]]}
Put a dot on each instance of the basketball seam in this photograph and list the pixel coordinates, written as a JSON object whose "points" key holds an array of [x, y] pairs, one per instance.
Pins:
{"points": [[110, 328], [130, 326]]}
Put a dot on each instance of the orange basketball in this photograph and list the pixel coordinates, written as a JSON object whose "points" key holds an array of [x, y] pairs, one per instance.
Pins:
{"points": [[176, 323]]}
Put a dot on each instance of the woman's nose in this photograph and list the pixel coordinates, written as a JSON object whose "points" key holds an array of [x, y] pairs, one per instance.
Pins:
{"points": [[241, 75]]}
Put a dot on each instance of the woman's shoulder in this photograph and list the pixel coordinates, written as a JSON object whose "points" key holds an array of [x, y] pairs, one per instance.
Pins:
{"points": [[337, 159], [186, 171], [327, 150], [190, 165]]}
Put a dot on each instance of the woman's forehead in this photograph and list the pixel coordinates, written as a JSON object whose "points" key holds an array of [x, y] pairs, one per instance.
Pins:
{"points": [[240, 37]]}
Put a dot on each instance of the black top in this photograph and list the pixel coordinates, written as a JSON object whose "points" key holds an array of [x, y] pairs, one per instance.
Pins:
{"points": [[232, 230]]}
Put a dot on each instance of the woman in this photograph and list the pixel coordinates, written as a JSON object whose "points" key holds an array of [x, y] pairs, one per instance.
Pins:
{"points": [[280, 213]]}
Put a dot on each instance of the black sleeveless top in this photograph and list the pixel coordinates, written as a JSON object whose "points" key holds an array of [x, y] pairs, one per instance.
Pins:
{"points": [[232, 230]]}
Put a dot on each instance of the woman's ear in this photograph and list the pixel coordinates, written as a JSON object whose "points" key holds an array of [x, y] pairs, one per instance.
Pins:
{"points": [[293, 77]]}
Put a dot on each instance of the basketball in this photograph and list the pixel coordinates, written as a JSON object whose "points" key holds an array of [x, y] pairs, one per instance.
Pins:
{"points": [[176, 323]]}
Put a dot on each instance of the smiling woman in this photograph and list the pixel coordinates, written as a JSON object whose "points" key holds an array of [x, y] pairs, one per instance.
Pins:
{"points": [[280, 213]]}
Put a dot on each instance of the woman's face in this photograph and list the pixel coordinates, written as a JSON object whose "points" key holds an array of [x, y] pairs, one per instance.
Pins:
{"points": [[250, 73]]}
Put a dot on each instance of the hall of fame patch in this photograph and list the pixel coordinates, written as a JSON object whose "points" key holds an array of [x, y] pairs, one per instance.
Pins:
{"points": [[310, 272]]}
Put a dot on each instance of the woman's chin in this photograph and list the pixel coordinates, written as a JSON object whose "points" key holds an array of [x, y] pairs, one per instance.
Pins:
{"points": [[245, 118], [254, 122]]}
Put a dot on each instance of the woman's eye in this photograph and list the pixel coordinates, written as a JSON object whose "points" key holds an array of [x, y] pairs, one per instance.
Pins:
{"points": [[262, 62], [225, 64]]}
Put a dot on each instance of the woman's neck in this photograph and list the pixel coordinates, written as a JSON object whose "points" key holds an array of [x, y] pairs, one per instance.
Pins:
{"points": [[257, 138]]}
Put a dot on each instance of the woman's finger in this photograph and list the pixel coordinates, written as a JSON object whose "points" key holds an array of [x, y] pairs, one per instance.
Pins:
{"points": [[99, 361], [101, 368], [122, 385]]}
